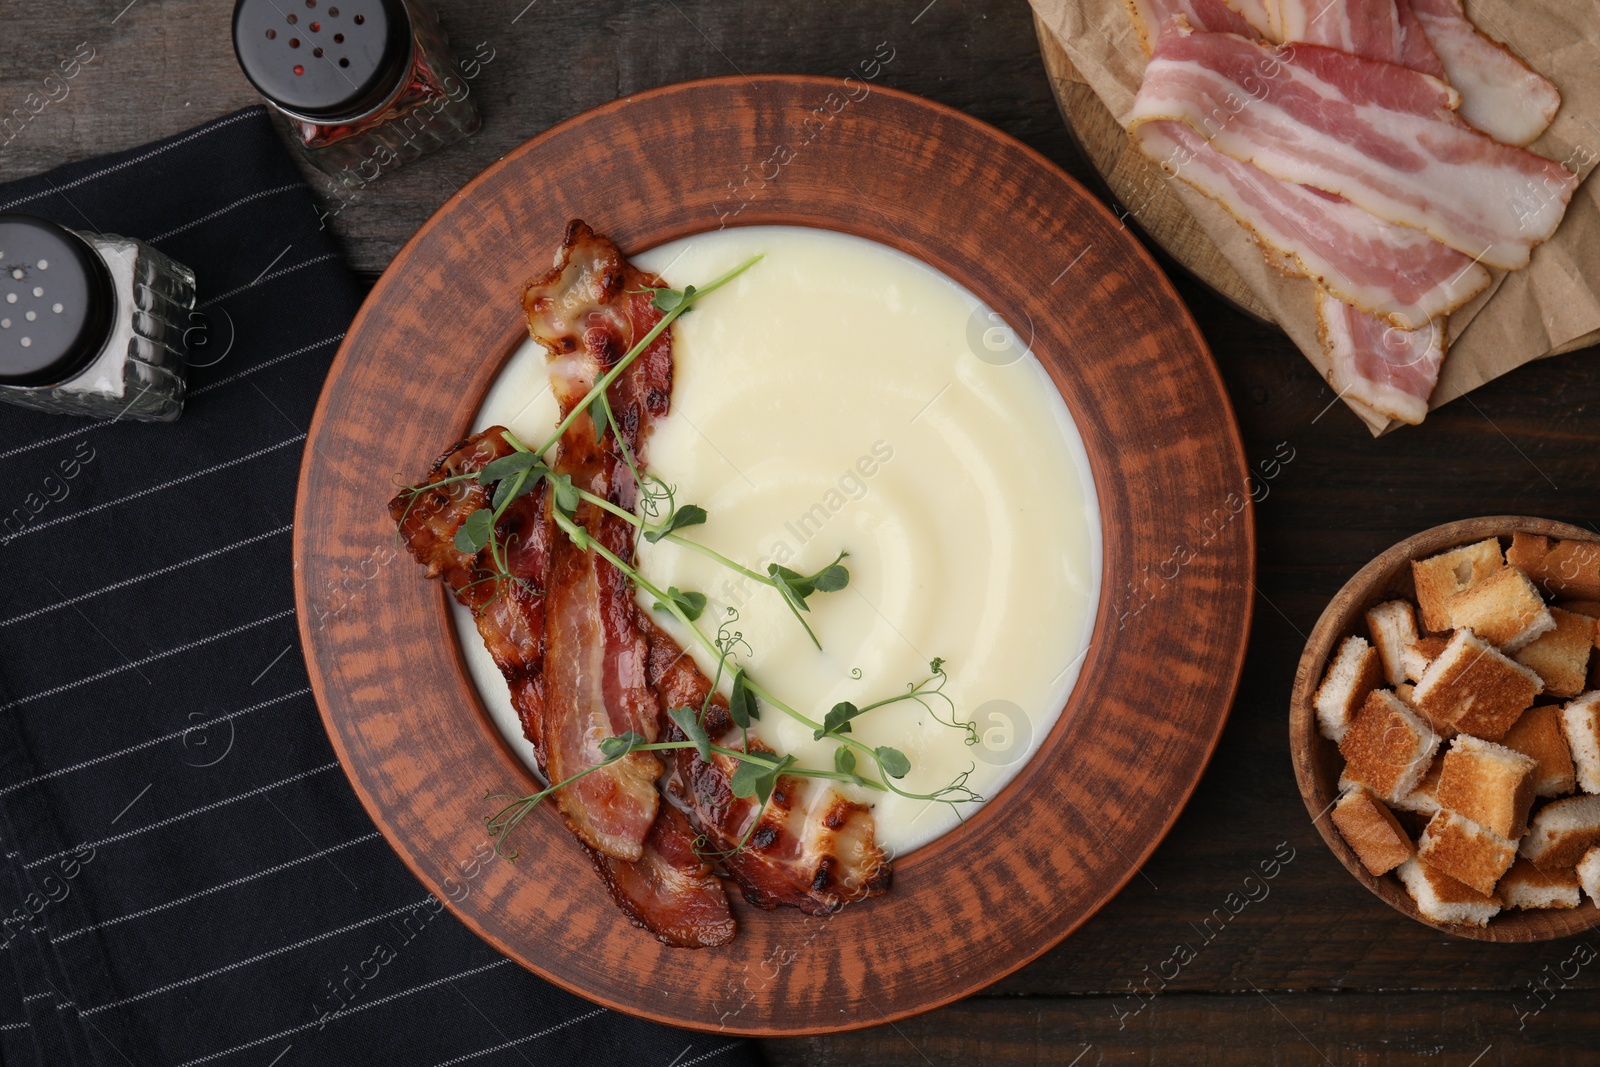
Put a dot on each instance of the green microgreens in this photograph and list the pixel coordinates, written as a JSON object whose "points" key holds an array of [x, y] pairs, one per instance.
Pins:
{"points": [[793, 587], [931, 688]]}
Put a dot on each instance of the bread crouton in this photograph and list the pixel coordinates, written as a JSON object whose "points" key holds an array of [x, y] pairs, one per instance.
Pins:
{"points": [[1393, 626], [1420, 653], [1371, 831], [1424, 799], [1467, 852], [1580, 725], [1441, 577], [1589, 874], [1538, 734], [1562, 831], [1526, 886], [1504, 609], [1568, 568], [1475, 688], [1442, 899], [1354, 672], [1561, 657], [1488, 783], [1387, 747]]}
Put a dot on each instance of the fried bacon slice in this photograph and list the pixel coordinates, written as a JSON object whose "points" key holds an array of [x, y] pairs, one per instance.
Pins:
{"points": [[583, 314], [509, 615], [584, 662], [812, 849], [671, 890]]}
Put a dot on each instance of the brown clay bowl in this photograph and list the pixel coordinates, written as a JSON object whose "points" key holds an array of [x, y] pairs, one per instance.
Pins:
{"points": [[1317, 762], [1117, 766]]}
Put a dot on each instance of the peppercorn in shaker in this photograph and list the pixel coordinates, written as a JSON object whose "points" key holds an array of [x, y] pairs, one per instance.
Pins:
{"points": [[90, 324], [365, 85]]}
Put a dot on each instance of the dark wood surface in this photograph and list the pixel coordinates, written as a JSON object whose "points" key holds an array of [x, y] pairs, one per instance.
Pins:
{"points": [[1319, 971]]}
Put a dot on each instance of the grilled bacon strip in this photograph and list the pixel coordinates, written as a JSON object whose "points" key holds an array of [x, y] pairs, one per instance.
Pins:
{"points": [[584, 316], [671, 891], [509, 615], [583, 662], [813, 849]]}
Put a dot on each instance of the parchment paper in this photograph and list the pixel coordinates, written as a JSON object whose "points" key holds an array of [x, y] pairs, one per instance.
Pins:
{"points": [[1548, 307]]}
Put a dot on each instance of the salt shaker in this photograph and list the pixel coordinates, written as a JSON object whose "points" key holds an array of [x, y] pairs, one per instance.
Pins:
{"points": [[90, 324], [365, 85]]}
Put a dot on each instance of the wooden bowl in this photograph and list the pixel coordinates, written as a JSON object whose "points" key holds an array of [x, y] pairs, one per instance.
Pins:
{"points": [[1170, 475], [1317, 762]]}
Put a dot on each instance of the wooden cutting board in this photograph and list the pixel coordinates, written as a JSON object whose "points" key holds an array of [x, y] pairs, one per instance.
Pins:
{"points": [[1135, 180]]}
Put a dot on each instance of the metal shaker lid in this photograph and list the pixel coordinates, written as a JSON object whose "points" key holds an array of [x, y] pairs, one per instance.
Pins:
{"points": [[57, 302], [323, 59]]}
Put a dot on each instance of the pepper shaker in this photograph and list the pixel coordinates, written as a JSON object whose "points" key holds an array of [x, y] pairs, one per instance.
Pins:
{"points": [[365, 85], [90, 324]]}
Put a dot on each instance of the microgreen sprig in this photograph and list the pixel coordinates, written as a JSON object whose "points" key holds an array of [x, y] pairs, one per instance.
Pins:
{"points": [[795, 588]]}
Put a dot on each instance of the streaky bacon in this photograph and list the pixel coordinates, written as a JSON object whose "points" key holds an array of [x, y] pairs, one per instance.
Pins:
{"points": [[1500, 94], [1368, 28], [583, 314], [813, 849], [671, 890], [1390, 370], [1370, 132], [509, 615], [1393, 271], [1152, 17], [668, 891], [1416, 51], [1255, 12]]}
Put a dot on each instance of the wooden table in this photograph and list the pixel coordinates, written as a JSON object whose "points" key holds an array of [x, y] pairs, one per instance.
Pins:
{"points": [[1315, 971]]}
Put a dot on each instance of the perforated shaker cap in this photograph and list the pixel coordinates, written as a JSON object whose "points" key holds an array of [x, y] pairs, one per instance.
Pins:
{"points": [[323, 59], [57, 302]]}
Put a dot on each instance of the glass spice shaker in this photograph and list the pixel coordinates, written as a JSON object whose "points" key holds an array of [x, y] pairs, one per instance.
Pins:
{"points": [[90, 324], [365, 85]]}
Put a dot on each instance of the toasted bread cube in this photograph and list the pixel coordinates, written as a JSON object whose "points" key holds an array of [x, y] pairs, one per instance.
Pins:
{"points": [[1443, 576], [1590, 608], [1394, 628], [1354, 672], [1561, 657], [1475, 688], [1408, 693], [1580, 725], [1469, 853], [1526, 886], [1504, 609], [1387, 747], [1488, 783], [1562, 831], [1371, 831], [1442, 899], [1538, 734], [1420, 653], [1567, 568], [1589, 874], [1527, 551], [1424, 799]]}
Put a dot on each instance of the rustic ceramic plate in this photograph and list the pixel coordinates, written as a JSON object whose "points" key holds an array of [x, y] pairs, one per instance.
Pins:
{"points": [[1317, 762], [1169, 471]]}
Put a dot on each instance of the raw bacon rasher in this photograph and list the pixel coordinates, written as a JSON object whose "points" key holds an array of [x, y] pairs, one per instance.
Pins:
{"points": [[1374, 133]]}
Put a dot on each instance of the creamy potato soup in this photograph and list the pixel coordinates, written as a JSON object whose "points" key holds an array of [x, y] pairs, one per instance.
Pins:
{"points": [[842, 396]]}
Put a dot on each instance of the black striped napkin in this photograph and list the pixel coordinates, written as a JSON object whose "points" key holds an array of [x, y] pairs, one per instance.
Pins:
{"points": [[187, 877]]}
